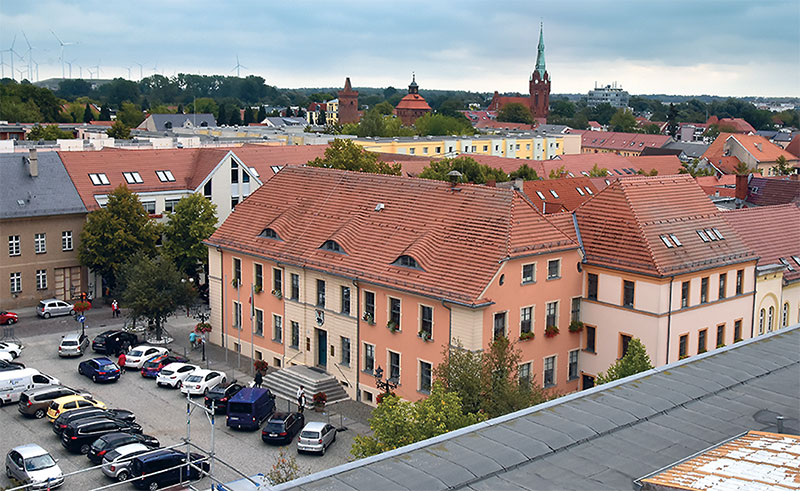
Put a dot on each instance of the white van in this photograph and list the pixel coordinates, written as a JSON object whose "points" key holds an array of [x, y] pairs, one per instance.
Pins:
{"points": [[15, 382]]}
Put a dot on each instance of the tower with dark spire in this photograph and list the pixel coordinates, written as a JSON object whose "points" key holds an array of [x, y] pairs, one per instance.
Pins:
{"points": [[413, 88], [539, 84], [348, 104]]}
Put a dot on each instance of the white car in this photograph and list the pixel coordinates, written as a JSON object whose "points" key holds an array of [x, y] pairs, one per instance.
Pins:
{"points": [[13, 348], [5, 356], [174, 374], [136, 357], [117, 463], [201, 381]]}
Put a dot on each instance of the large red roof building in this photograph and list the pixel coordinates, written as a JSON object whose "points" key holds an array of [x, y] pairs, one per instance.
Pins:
{"points": [[412, 106]]}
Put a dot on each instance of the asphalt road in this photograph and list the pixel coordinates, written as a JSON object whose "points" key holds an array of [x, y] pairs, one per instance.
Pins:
{"points": [[162, 413]]}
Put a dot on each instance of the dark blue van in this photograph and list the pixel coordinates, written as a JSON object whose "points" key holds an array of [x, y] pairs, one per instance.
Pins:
{"points": [[250, 407]]}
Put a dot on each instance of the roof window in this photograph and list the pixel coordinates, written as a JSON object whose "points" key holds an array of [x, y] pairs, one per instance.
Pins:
{"points": [[269, 233], [580, 191], [254, 171], [165, 176], [796, 259], [333, 246], [711, 234], [588, 190], [675, 240], [540, 195], [555, 195], [132, 177], [276, 168], [585, 173], [718, 233], [786, 263], [99, 179], [407, 261], [666, 241], [703, 236], [617, 171]]}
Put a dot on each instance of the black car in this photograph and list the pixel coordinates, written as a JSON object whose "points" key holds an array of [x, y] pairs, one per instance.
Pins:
{"points": [[143, 468], [79, 435], [221, 395], [114, 342], [61, 422], [282, 427], [10, 365], [109, 442]]}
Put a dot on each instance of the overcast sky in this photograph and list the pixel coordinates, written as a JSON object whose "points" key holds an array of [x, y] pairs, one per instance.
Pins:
{"points": [[725, 47]]}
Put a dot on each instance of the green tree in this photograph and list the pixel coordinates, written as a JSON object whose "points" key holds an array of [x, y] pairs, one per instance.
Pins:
{"points": [[346, 155], [515, 112], [652, 129], [502, 389], [130, 115], [249, 117], [693, 168], [460, 372], [525, 173], [116, 232], [119, 131], [204, 105], [597, 171], [180, 109], [452, 107], [623, 120], [557, 173], [153, 289], [471, 171], [236, 117], [782, 167], [88, 115], [563, 108], [105, 113], [193, 220], [635, 360], [672, 121], [439, 124], [49, 132], [742, 169], [262, 114], [222, 117], [384, 108]]}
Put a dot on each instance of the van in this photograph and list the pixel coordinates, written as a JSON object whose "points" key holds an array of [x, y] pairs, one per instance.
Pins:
{"points": [[34, 402], [164, 468], [250, 407], [14, 382]]}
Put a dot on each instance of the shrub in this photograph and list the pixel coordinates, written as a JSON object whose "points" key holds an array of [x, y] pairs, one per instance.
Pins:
{"points": [[383, 395], [525, 335], [260, 365], [320, 398]]}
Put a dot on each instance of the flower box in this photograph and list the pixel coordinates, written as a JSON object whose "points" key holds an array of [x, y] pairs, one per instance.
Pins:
{"points": [[368, 318], [550, 331], [392, 326], [202, 327], [260, 365], [235, 282], [320, 398], [277, 293], [258, 289], [525, 336], [575, 326], [424, 335]]}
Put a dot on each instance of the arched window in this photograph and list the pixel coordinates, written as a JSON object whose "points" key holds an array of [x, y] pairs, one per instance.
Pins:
{"points": [[407, 261], [168, 125], [770, 317], [269, 234], [785, 315], [761, 321], [332, 245]]}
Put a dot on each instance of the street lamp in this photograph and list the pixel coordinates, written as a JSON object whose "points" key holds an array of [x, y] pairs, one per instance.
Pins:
{"points": [[202, 314], [385, 385]]}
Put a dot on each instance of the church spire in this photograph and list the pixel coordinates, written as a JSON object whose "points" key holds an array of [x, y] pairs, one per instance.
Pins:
{"points": [[540, 55]]}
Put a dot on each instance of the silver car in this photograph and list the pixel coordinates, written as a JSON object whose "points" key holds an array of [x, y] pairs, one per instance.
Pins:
{"points": [[316, 437], [32, 465], [53, 306], [73, 345], [117, 463]]}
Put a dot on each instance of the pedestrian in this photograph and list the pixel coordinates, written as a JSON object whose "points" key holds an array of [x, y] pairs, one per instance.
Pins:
{"points": [[114, 309], [193, 339], [258, 379], [121, 362], [301, 399]]}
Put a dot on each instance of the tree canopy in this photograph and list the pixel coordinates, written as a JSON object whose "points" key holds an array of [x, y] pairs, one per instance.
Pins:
{"points": [[49, 132], [623, 120], [439, 124], [471, 171], [635, 360], [525, 173], [782, 167], [514, 112], [693, 169], [119, 131], [346, 155], [192, 221]]}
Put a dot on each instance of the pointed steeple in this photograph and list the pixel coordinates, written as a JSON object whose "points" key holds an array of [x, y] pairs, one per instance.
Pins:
{"points": [[347, 86], [413, 88], [540, 55]]}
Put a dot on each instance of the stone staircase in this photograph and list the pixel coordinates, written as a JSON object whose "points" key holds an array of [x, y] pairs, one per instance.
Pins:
{"points": [[285, 382]]}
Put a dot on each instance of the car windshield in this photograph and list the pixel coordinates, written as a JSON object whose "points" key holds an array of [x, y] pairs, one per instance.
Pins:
{"points": [[276, 427], [310, 434], [194, 378], [166, 372], [112, 456], [39, 462], [136, 352], [69, 343]]}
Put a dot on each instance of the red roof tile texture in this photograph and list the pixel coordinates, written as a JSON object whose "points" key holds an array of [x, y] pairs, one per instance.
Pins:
{"points": [[571, 192], [632, 142], [413, 102], [759, 147], [459, 236], [622, 225], [766, 191], [794, 146]]}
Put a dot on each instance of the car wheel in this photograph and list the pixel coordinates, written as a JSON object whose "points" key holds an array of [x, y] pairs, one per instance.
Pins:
{"points": [[85, 448], [8, 473], [334, 438], [39, 414], [11, 321], [94, 378], [153, 486], [323, 449], [46, 315], [178, 385], [122, 476]]}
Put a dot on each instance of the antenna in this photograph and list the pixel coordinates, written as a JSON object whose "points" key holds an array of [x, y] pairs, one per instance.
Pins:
{"points": [[61, 57], [238, 67]]}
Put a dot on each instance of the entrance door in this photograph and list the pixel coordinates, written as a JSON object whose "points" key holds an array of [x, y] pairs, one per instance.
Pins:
{"points": [[587, 382], [322, 348]]}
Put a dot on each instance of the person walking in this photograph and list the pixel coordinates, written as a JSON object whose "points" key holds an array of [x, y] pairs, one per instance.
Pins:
{"points": [[193, 339], [121, 362], [258, 379], [115, 309], [301, 399]]}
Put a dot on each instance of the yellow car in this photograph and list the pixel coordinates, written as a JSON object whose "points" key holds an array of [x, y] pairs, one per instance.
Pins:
{"points": [[68, 403]]}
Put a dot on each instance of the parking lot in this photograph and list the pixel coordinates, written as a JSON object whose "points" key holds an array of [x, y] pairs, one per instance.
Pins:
{"points": [[161, 412]]}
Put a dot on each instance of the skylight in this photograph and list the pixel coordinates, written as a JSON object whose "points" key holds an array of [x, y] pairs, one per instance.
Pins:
{"points": [[588, 190], [703, 236], [540, 195], [675, 239], [718, 233], [617, 171], [555, 195], [269, 233], [796, 259], [786, 263], [132, 177], [585, 173], [711, 234], [407, 261], [254, 171], [580, 191], [165, 176], [332, 245], [99, 179], [276, 168], [666, 241]]}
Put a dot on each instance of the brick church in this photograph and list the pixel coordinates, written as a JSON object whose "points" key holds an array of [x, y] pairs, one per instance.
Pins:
{"points": [[539, 89]]}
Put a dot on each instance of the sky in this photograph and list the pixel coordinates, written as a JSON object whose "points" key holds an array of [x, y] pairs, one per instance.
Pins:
{"points": [[687, 47]]}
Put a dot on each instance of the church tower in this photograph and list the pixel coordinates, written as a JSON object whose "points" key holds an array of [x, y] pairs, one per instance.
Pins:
{"points": [[539, 85], [348, 104]]}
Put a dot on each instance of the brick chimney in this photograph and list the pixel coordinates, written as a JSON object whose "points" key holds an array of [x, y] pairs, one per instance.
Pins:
{"points": [[33, 163], [741, 187]]}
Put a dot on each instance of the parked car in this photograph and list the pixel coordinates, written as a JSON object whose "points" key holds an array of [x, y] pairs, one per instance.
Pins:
{"points": [[53, 306], [73, 345], [6, 365], [117, 462], [220, 395], [282, 427], [79, 435], [99, 369], [140, 354], [13, 348], [65, 419], [316, 437], [14, 382], [4, 356], [201, 381], [8, 317], [250, 408], [109, 442], [32, 465], [34, 402], [113, 342], [70, 403], [174, 374], [145, 467], [154, 365]]}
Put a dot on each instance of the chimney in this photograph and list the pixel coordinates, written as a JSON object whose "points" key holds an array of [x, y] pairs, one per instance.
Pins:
{"points": [[741, 187], [33, 163]]}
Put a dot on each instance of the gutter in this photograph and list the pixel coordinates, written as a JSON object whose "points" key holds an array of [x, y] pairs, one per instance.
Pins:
{"points": [[358, 338], [450, 326], [753, 312], [669, 317]]}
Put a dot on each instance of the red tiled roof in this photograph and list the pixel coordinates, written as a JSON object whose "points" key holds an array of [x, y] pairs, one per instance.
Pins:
{"points": [[772, 232], [762, 149], [794, 146], [572, 192], [622, 225], [101, 123], [264, 157], [458, 236], [765, 191], [490, 123], [633, 142], [739, 125], [413, 102], [724, 185], [498, 101], [665, 164], [595, 124]]}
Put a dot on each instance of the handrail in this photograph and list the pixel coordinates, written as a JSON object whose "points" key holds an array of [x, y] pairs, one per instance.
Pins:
{"points": [[343, 375]]}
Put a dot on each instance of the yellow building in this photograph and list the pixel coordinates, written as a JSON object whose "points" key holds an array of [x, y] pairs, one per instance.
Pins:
{"points": [[332, 111]]}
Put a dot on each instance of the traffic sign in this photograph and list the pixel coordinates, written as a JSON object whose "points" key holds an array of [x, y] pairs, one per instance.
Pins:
{"points": [[81, 318]]}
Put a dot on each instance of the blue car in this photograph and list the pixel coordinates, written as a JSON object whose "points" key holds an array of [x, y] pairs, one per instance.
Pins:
{"points": [[99, 369]]}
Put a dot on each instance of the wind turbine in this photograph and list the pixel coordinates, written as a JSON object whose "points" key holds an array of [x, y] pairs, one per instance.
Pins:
{"points": [[140, 71], [62, 43], [129, 72], [238, 66], [30, 56], [11, 52], [69, 64]]}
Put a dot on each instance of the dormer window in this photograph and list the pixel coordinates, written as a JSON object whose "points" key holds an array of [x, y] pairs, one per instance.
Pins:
{"points": [[333, 246], [269, 233], [132, 177], [407, 261]]}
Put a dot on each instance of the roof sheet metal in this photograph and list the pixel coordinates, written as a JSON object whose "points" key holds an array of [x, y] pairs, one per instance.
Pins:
{"points": [[49, 193]]}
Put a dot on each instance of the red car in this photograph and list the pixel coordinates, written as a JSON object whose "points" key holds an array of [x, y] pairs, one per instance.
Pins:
{"points": [[154, 365], [8, 317]]}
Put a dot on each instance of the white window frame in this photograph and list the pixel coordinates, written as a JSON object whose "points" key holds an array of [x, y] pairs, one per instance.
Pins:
{"points": [[521, 310], [16, 282], [66, 240], [554, 359], [40, 243], [41, 279], [236, 321], [258, 323], [277, 328], [364, 361], [132, 177], [570, 362], [549, 261], [14, 245], [146, 204]]}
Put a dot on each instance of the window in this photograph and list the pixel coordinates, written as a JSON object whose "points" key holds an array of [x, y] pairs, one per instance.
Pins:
{"points": [[525, 373], [552, 314], [683, 344], [369, 357], [237, 315], [666, 241], [269, 233], [703, 235], [426, 320], [424, 377], [295, 280], [40, 243], [553, 269], [591, 287], [321, 293], [295, 339], [332, 245], [723, 280], [528, 273], [16, 282], [394, 366], [41, 279], [761, 315], [770, 316], [627, 294], [237, 272], [394, 311], [149, 207], [575, 311], [207, 189], [99, 179], [720, 335], [525, 320], [259, 320], [737, 330], [66, 240], [407, 261], [540, 195], [590, 338], [701, 341], [739, 281], [716, 232], [555, 195], [277, 279], [580, 191], [499, 324], [166, 176], [132, 177], [345, 300], [572, 370], [13, 245], [684, 294], [170, 204], [345, 351], [234, 172], [258, 277], [277, 328], [785, 315], [549, 371], [704, 290], [369, 304]]}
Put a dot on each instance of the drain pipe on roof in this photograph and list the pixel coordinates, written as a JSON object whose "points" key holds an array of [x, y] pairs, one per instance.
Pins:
{"points": [[450, 326], [669, 316], [358, 338], [753, 313]]}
